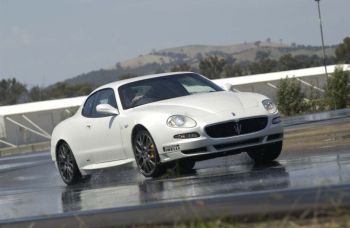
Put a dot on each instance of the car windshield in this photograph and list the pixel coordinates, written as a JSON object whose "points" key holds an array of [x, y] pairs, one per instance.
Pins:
{"points": [[162, 88]]}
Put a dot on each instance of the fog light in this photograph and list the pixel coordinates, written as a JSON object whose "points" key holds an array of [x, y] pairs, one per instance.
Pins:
{"points": [[187, 135], [276, 120]]}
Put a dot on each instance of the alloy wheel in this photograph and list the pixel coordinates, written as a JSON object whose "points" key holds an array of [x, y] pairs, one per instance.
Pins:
{"points": [[66, 163], [145, 153]]}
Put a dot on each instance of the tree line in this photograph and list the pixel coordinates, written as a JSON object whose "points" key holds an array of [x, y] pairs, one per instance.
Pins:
{"points": [[215, 67], [14, 92]]}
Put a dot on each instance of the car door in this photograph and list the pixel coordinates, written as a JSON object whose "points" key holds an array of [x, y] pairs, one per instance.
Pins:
{"points": [[103, 137], [82, 133]]}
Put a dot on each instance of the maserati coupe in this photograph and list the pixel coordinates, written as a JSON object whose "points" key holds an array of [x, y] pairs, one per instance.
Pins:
{"points": [[161, 120]]}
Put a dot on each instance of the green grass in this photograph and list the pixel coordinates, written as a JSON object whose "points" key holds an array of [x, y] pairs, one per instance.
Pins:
{"points": [[309, 219]]}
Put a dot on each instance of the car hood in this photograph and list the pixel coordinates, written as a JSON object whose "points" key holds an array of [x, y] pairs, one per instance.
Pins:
{"points": [[210, 105]]}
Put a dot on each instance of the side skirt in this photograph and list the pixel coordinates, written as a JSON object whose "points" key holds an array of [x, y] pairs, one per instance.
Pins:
{"points": [[107, 164]]}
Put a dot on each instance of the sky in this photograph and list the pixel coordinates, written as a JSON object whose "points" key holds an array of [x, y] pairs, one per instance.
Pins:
{"points": [[45, 41]]}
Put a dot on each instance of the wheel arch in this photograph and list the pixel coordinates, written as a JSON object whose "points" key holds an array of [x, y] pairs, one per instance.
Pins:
{"points": [[158, 169], [58, 143], [135, 129]]}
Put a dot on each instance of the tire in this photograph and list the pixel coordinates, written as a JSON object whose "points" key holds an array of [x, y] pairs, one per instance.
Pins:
{"points": [[146, 154], [266, 153], [67, 165]]}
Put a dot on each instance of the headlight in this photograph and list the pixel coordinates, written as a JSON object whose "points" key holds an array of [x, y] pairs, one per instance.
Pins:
{"points": [[181, 121], [269, 106]]}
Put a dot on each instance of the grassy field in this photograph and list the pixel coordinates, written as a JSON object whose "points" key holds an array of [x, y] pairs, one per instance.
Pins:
{"points": [[318, 137], [334, 219], [339, 221]]}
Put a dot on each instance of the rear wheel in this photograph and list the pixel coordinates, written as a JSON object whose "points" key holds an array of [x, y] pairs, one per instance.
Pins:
{"points": [[67, 165], [146, 154], [266, 153]]}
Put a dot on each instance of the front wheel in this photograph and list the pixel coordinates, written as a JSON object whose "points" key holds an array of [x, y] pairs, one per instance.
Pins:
{"points": [[67, 165], [266, 153], [146, 155]]}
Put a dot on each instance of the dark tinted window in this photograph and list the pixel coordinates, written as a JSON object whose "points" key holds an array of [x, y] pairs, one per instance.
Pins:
{"points": [[87, 109], [105, 96], [162, 88]]}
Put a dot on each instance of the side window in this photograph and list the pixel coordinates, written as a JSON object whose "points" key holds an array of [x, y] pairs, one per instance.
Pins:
{"points": [[87, 109], [105, 96]]}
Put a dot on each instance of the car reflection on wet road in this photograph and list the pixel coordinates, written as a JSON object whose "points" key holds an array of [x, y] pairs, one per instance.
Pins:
{"points": [[31, 186], [169, 189]]}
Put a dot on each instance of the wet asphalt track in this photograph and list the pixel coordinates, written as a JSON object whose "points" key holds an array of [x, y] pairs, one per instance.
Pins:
{"points": [[30, 185]]}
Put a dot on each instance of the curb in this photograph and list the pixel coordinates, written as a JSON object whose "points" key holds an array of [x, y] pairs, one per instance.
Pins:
{"points": [[37, 147]]}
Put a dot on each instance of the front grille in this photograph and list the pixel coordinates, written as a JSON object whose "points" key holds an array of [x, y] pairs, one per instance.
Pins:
{"points": [[237, 144], [233, 128]]}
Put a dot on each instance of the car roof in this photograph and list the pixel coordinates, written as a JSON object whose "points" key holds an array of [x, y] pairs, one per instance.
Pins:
{"points": [[139, 78]]}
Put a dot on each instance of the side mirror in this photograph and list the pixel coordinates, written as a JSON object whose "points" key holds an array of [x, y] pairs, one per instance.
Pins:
{"points": [[227, 87], [107, 109]]}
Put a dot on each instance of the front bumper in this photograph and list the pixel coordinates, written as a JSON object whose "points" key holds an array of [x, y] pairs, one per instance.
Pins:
{"points": [[205, 146]]}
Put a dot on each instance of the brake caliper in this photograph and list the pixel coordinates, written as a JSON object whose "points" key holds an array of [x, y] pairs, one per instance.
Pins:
{"points": [[151, 151]]}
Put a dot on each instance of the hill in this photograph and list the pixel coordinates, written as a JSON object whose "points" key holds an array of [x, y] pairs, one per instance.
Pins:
{"points": [[164, 60]]}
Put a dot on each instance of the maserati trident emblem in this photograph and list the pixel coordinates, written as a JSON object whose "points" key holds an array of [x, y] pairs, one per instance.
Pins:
{"points": [[237, 128]]}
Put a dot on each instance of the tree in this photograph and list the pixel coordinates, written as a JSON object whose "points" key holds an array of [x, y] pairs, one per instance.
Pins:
{"points": [[212, 66], [181, 67], [342, 52], [58, 90], [305, 61], [237, 70], [257, 43], [315, 100], [232, 70], [63, 90], [228, 71], [10, 91], [290, 99], [338, 89], [36, 94], [81, 89], [262, 55], [159, 70], [264, 66], [126, 76], [289, 62]]}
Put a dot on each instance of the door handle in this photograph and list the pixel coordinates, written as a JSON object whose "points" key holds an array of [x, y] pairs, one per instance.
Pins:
{"points": [[88, 126]]}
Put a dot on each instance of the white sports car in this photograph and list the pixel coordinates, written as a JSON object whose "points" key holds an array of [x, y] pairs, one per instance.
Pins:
{"points": [[159, 119]]}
